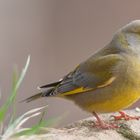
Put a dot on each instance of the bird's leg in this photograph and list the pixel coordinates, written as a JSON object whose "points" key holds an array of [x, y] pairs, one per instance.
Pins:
{"points": [[124, 116], [104, 125]]}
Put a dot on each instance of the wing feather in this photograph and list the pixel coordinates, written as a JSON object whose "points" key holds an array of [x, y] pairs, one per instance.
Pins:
{"points": [[90, 75]]}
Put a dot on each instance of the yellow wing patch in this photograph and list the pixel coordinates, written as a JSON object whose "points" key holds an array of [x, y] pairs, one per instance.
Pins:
{"points": [[107, 83], [82, 89], [75, 91]]}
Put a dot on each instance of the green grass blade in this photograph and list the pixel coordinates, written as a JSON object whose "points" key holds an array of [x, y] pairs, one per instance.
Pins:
{"points": [[19, 80], [36, 128], [33, 130], [22, 74], [13, 106], [16, 84], [15, 126]]}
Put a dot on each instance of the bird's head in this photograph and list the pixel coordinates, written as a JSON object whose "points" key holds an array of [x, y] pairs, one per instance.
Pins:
{"points": [[132, 27], [128, 36]]}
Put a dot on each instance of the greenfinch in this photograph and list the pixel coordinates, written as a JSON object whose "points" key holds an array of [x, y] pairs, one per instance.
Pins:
{"points": [[108, 81]]}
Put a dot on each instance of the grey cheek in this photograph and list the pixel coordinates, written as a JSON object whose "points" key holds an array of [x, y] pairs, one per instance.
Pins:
{"points": [[133, 39]]}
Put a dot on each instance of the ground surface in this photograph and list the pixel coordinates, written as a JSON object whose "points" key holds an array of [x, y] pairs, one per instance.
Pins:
{"points": [[85, 130]]}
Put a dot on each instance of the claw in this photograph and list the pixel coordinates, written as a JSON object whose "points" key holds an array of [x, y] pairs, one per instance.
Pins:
{"points": [[105, 125], [124, 116]]}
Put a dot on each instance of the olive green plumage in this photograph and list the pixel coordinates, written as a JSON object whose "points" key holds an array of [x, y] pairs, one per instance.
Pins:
{"points": [[107, 81]]}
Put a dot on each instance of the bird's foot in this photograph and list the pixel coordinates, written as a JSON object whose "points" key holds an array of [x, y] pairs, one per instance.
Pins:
{"points": [[124, 116], [106, 125], [103, 125]]}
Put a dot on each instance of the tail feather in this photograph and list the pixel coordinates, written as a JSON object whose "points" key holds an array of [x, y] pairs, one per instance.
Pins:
{"points": [[45, 93], [32, 98], [50, 85], [39, 95]]}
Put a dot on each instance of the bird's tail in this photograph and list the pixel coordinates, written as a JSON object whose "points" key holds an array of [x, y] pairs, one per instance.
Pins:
{"points": [[32, 98], [39, 95], [45, 93]]}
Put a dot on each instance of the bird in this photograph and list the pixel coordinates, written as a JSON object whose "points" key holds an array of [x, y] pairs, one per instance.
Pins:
{"points": [[107, 81]]}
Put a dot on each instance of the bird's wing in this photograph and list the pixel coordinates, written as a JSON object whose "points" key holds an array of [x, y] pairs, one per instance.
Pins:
{"points": [[96, 72]]}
